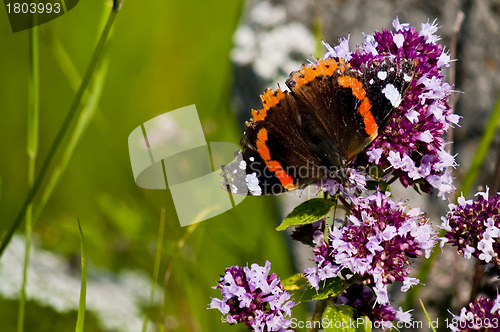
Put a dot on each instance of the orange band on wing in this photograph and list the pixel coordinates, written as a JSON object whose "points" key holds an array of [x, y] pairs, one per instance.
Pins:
{"points": [[370, 124], [359, 92], [285, 179], [273, 165], [262, 148], [365, 107], [269, 99], [324, 67], [354, 84]]}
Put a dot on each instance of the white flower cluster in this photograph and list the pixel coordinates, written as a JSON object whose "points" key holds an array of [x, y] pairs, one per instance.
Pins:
{"points": [[115, 300], [270, 45]]}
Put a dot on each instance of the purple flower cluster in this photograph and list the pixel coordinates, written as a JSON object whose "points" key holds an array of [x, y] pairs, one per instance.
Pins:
{"points": [[480, 315], [373, 247], [412, 144], [254, 297], [375, 244], [353, 184], [474, 227]]}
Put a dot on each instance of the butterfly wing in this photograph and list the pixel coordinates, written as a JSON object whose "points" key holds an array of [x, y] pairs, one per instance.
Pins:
{"points": [[331, 114]]}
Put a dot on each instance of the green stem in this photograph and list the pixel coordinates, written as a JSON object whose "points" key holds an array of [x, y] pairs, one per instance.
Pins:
{"points": [[319, 308], [180, 244], [159, 249], [32, 150], [62, 131], [318, 35], [83, 285]]}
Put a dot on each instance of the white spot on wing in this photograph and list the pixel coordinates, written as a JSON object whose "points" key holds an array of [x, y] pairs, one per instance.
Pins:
{"points": [[243, 165], [382, 75], [390, 92], [371, 81], [253, 184], [406, 77], [251, 158]]}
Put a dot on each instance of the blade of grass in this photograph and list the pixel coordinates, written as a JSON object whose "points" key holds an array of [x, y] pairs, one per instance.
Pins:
{"points": [[63, 3], [83, 285], [64, 61], [33, 100], [32, 150], [318, 36], [482, 150], [469, 179], [159, 249], [81, 126], [180, 244], [91, 101], [62, 131], [427, 315]]}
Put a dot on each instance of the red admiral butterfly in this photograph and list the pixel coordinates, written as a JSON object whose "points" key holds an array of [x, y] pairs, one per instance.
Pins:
{"points": [[331, 114]]}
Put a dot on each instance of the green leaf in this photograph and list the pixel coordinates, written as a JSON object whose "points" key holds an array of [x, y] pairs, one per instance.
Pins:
{"points": [[295, 282], [384, 186], [378, 185], [332, 287], [363, 324], [417, 189], [340, 318], [307, 213], [376, 171], [371, 185]]}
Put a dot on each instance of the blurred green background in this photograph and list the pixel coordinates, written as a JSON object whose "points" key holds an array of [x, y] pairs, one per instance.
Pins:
{"points": [[162, 55]]}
